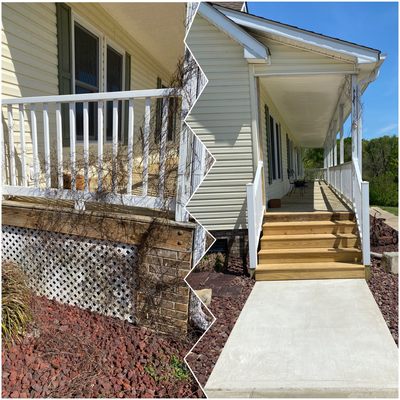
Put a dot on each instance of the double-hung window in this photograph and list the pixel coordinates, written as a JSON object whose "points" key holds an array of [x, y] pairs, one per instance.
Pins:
{"points": [[87, 76], [98, 67]]}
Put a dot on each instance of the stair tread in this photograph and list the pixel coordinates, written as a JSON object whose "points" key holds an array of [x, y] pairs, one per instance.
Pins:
{"points": [[285, 213], [310, 236], [311, 250], [309, 266], [308, 223]]}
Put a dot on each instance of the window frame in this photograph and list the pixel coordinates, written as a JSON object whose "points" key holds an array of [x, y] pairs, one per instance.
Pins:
{"points": [[104, 41], [276, 148]]}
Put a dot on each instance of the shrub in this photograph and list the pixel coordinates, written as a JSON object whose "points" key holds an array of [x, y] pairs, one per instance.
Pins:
{"points": [[16, 299], [211, 262], [383, 191]]}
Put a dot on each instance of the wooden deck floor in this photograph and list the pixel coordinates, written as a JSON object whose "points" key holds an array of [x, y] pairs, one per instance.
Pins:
{"points": [[317, 196]]}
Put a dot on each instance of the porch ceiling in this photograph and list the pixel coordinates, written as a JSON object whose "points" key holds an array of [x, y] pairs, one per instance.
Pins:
{"points": [[306, 104], [158, 27]]}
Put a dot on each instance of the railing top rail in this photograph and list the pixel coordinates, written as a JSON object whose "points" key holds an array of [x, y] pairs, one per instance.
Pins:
{"points": [[346, 164], [101, 96]]}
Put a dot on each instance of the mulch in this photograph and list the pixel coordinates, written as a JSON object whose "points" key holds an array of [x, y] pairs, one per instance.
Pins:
{"points": [[70, 352], [385, 287], [229, 293]]}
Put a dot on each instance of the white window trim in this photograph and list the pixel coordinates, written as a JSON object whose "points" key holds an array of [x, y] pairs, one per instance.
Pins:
{"points": [[275, 134], [104, 41]]}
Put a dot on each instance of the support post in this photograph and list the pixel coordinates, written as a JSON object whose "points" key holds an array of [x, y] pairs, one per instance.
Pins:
{"points": [[341, 151]]}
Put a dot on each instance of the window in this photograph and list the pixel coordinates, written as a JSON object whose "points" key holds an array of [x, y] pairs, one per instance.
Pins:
{"points": [[98, 66], [274, 149], [114, 84], [87, 77]]}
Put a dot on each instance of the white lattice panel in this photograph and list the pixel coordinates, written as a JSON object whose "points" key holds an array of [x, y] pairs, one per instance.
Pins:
{"points": [[92, 274]]}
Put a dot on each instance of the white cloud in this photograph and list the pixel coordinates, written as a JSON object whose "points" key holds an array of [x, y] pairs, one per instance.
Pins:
{"points": [[389, 129]]}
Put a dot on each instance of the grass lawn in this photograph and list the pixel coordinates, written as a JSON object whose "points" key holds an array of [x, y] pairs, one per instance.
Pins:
{"points": [[393, 210]]}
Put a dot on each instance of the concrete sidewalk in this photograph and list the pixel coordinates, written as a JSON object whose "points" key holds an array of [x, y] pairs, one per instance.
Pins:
{"points": [[316, 338], [390, 219]]}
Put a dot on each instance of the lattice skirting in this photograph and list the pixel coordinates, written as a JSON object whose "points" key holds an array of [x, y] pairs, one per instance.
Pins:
{"points": [[92, 274]]}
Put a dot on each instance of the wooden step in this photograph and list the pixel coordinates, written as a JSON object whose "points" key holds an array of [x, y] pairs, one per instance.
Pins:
{"points": [[308, 216], [325, 270], [320, 240], [298, 228], [308, 255]]}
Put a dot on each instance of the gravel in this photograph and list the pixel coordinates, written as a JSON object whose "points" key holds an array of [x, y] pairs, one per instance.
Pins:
{"points": [[385, 288], [70, 352], [230, 292]]}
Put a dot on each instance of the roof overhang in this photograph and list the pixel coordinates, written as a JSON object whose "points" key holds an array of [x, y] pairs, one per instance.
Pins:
{"points": [[362, 54], [254, 51]]}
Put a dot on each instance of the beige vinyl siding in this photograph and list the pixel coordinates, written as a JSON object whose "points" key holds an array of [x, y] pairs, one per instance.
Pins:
{"points": [[278, 188], [29, 61], [222, 120]]}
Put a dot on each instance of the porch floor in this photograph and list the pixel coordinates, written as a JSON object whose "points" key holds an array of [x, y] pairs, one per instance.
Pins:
{"points": [[316, 196]]}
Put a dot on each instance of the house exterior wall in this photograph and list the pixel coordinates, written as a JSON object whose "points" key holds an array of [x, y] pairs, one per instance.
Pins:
{"points": [[221, 118], [30, 61], [278, 188]]}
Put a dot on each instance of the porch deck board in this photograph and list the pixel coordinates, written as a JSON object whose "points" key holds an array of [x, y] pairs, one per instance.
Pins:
{"points": [[316, 196]]}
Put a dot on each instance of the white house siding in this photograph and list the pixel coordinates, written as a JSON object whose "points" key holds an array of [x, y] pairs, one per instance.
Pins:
{"points": [[222, 120], [29, 59]]}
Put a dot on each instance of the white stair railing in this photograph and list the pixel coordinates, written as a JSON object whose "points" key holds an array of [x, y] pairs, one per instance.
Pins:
{"points": [[24, 176], [255, 213], [347, 181]]}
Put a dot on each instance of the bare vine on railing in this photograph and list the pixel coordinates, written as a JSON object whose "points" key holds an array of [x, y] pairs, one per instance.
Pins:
{"points": [[151, 283]]}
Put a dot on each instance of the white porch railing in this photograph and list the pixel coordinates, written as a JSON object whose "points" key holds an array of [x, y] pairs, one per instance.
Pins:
{"points": [[255, 213], [65, 108], [346, 179]]}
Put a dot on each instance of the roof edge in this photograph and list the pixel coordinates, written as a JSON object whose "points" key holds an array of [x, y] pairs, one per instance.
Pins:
{"points": [[363, 54], [252, 46]]}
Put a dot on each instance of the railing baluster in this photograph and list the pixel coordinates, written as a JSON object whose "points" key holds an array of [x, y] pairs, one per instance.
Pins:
{"points": [[35, 146], [131, 125], [86, 144], [163, 145], [11, 145], [23, 148], [46, 134], [114, 146], [100, 133], [72, 140], [59, 146], [146, 145]]}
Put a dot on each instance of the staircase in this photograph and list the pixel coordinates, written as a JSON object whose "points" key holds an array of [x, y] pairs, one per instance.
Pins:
{"points": [[309, 245]]}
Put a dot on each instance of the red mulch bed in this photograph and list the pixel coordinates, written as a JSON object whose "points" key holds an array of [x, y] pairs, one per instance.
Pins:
{"points": [[70, 352], [230, 292], [385, 288]]}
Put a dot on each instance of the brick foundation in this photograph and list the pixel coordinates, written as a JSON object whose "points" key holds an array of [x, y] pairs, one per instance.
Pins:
{"points": [[236, 243]]}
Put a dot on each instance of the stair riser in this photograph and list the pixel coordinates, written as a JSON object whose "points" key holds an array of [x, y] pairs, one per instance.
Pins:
{"points": [[314, 216], [289, 275], [280, 258], [304, 229], [309, 243]]}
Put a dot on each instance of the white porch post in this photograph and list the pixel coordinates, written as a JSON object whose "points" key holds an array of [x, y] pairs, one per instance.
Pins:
{"points": [[334, 150], [341, 152], [355, 120]]}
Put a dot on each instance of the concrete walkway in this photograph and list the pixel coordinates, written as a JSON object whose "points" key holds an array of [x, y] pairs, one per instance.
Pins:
{"points": [[316, 338], [391, 219]]}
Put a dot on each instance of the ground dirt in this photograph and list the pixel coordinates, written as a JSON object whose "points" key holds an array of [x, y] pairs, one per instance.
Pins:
{"points": [[229, 293], [70, 352], [385, 287]]}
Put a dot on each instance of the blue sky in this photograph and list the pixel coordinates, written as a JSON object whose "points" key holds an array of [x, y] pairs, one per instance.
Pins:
{"points": [[370, 24]]}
